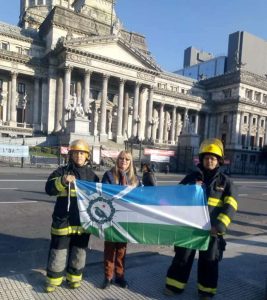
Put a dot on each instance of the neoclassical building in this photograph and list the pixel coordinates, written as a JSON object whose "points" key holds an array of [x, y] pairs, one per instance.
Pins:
{"points": [[71, 68]]}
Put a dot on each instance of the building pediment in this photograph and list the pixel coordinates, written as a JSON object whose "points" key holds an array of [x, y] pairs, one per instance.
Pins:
{"points": [[114, 48]]}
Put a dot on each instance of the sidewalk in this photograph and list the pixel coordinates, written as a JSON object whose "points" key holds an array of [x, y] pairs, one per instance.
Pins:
{"points": [[243, 274]]}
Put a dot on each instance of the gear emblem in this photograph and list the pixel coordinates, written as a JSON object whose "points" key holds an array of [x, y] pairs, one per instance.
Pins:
{"points": [[101, 210]]}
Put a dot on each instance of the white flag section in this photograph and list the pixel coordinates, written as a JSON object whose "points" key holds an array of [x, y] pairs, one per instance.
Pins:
{"points": [[162, 215]]}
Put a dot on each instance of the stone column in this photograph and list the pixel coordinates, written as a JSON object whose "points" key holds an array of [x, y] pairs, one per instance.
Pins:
{"points": [[79, 91], [155, 125], [248, 133], [86, 97], [119, 137], [142, 115], [44, 106], [51, 105], [165, 133], [178, 126], [265, 135], [66, 92], [103, 120], [173, 126], [196, 123], [256, 142], [59, 104], [13, 106], [239, 141], [35, 116], [236, 129], [149, 113], [135, 109], [125, 115], [161, 122], [206, 130]]}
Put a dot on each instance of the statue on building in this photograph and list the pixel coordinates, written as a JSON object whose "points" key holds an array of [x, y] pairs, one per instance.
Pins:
{"points": [[76, 109], [79, 111], [186, 124], [116, 28]]}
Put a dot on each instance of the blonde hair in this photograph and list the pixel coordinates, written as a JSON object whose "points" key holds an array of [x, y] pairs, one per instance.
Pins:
{"points": [[130, 171]]}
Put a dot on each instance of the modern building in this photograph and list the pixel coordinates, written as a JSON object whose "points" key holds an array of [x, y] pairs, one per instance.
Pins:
{"points": [[71, 69]]}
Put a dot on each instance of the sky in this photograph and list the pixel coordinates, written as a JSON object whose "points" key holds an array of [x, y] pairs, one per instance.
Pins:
{"points": [[170, 26]]}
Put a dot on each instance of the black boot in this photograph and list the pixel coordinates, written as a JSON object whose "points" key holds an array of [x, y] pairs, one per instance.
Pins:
{"points": [[120, 281], [106, 283]]}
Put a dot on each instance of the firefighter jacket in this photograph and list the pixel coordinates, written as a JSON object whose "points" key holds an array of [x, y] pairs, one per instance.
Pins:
{"points": [[66, 214], [221, 195]]}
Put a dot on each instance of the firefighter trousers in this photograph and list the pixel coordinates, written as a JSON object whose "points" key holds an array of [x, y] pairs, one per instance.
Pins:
{"points": [[208, 268], [114, 258], [68, 253]]}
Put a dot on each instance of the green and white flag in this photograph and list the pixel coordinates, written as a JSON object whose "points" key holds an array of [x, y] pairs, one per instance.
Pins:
{"points": [[161, 215]]}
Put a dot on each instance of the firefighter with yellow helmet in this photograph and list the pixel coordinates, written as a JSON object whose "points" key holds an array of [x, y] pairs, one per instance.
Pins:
{"points": [[222, 206], [68, 240]]}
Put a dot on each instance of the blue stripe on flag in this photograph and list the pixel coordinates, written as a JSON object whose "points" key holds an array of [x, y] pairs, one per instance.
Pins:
{"points": [[179, 195]]}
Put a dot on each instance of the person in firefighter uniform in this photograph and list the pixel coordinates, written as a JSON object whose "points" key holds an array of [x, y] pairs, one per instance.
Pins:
{"points": [[114, 252], [68, 240], [222, 205]]}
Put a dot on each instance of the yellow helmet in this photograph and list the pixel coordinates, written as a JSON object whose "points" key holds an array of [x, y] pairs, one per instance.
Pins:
{"points": [[212, 146], [79, 145]]}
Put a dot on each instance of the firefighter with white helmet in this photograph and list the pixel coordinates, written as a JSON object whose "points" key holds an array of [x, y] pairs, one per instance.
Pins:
{"points": [[68, 240], [222, 206]]}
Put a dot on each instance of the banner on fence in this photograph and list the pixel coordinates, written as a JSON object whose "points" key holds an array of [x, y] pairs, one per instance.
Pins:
{"points": [[14, 151], [148, 151]]}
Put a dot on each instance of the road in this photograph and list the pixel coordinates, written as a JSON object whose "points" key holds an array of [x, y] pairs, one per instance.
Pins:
{"points": [[25, 216]]}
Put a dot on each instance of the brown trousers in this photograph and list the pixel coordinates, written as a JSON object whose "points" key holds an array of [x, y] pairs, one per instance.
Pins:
{"points": [[114, 256]]}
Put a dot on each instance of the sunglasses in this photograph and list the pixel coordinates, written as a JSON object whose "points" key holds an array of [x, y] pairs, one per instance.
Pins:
{"points": [[124, 158]]}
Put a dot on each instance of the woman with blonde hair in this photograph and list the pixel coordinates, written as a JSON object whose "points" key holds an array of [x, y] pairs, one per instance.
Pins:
{"points": [[123, 173]]}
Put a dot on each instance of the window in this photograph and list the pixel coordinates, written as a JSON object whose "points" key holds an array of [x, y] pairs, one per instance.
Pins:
{"points": [[262, 123], [40, 2], [249, 94], [5, 46], [21, 88], [183, 91], [254, 121], [227, 93], [19, 50], [224, 119], [245, 119], [257, 96], [264, 98], [32, 2], [1, 85]]}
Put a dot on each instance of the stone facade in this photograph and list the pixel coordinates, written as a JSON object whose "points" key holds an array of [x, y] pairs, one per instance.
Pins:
{"points": [[78, 56]]}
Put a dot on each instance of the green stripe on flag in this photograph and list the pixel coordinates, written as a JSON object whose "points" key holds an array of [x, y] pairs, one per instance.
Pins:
{"points": [[157, 234]]}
